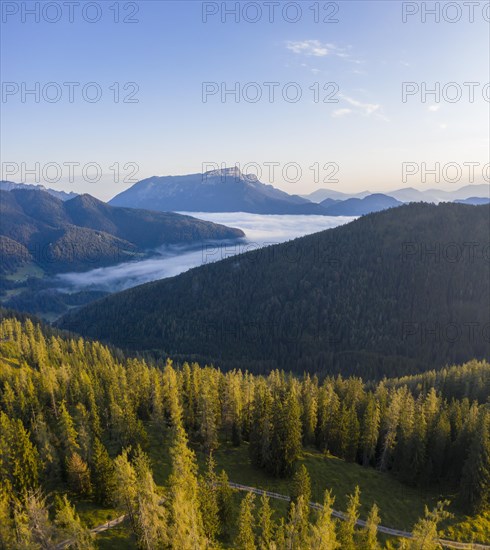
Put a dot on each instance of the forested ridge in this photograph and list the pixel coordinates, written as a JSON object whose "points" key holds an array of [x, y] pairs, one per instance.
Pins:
{"points": [[83, 232], [76, 418], [393, 293]]}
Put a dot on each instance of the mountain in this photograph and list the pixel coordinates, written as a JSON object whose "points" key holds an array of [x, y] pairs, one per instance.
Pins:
{"points": [[10, 185], [379, 295], [226, 190], [359, 207], [409, 194], [320, 195], [474, 200], [84, 232]]}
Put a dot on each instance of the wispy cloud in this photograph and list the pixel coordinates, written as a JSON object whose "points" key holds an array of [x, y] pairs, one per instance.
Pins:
{"points": [[360, 107], [315, 48], [310, 47], [434, 108], [338, 113], [366, 108]]}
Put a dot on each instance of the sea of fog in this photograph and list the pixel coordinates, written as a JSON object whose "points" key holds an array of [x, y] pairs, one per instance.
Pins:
{"points": [[260, 230]]}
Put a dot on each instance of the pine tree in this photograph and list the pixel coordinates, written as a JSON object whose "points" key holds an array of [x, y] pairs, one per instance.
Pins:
{"points": [[70, 527], [323, 536], [245, 538]]}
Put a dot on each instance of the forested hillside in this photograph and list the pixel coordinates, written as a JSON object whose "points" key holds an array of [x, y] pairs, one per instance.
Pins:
{"points": [[83, 232], [398, 292], [76, 420]]}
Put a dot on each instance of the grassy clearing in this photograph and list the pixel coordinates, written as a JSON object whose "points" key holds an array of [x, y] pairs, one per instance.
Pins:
{"points": [[26, 271], [400, 506]]}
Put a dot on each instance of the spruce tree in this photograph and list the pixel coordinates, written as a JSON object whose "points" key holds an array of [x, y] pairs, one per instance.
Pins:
{"points": [[225, 504], [103, 476], [370, 430], [475, 482], [208, 498]]}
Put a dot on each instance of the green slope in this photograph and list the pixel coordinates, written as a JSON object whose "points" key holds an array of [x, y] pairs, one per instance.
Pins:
{"points": [[370, 297]]}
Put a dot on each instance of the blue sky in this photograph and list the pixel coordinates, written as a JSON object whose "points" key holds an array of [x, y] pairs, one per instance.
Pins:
{"points": [[170, 52]]}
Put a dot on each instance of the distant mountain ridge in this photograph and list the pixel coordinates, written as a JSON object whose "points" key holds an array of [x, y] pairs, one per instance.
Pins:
{"points": [[226, 190], [360, 207], [409, 194], [62, 195], [84, 232]]}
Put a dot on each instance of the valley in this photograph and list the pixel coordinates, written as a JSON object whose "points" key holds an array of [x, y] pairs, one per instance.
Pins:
{"points": [[244, 275]]}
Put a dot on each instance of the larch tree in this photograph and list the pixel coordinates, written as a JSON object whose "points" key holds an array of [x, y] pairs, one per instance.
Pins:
{"points": [[246, 538], [369, 535], [323, 535], [151, 516], [265, 524], [186, 531], [347, 531], [424, 533], [70, 527]]}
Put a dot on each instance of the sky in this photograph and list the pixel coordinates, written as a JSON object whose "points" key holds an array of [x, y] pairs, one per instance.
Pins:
{"points": [[319, 100]]}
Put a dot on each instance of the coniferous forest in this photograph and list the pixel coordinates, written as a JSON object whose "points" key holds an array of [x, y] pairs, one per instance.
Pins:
{"points": [[396, 292], [244, 275], [78, 420]]}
